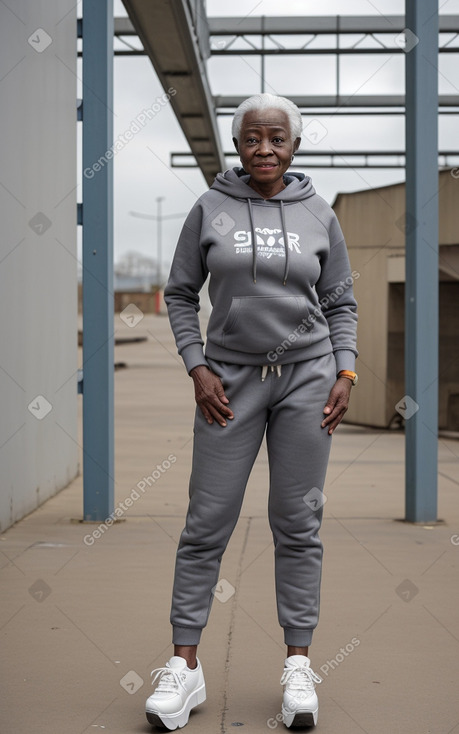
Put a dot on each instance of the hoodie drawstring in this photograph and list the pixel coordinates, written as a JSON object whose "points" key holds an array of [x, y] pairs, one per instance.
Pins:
{"points": [[254, 242], [284, 231], [274, 368]]}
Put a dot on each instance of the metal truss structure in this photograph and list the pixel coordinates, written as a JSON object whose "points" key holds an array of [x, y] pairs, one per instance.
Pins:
{"points": [[334, 36], [338, 35]]}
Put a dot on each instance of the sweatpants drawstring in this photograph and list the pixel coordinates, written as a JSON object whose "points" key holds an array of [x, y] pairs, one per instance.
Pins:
{"points": [[274, 368]]}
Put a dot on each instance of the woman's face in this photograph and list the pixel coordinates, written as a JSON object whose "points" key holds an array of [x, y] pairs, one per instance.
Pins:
{"points": [[265, 145]]}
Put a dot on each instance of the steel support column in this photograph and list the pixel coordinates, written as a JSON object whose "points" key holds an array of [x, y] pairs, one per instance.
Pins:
{"points": [[98, 306], [421, 289]]}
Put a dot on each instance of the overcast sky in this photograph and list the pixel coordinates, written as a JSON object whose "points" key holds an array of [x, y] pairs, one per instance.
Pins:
{"points": [[142, 170]]}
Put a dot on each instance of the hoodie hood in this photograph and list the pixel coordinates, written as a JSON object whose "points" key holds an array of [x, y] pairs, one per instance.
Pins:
{"points": [[235, 183]]}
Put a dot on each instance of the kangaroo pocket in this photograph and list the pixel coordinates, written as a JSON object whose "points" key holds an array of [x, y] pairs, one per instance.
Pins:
{"points": [[257, 324]]}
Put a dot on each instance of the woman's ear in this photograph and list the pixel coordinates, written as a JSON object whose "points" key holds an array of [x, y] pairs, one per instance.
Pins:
{"points": [[296, 144], [235, 144]]}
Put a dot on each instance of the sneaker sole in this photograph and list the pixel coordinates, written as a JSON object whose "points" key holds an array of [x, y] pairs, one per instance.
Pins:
{"points": [[300, 718], [180, 719]]}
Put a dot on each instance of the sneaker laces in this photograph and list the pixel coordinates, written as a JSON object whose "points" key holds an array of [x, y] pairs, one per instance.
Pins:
{"points": [[169, 679], [300, 677]]}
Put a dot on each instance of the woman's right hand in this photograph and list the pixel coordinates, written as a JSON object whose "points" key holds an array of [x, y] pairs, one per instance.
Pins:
{"points": [[210, 395]]}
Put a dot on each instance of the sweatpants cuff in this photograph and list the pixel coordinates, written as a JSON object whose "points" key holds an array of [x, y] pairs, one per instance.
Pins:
{"points": [[186, 635], [296, 637]]}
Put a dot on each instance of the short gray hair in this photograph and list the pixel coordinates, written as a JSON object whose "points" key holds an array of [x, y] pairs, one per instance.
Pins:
{"points": [[267, 102]]}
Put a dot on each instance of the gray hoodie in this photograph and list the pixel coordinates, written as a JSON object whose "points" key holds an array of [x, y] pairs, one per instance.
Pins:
{"points": [[287, 300]]}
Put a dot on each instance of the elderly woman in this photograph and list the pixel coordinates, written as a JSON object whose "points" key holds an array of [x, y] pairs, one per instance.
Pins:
{"points": [[279, 358]]}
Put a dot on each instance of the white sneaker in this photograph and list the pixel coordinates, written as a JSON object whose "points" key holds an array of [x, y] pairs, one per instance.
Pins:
{"points": [[178, 691], [300, 706]]}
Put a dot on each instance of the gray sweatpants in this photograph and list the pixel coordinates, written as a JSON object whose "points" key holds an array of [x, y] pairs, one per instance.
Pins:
{"points": [[289, 408]]}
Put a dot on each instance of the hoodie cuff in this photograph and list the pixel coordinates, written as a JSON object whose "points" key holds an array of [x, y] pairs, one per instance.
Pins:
{"points": [[345, 360], [193, 355]]}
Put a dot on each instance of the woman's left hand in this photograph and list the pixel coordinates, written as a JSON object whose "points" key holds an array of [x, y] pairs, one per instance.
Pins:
{"points": [[337, 403]]}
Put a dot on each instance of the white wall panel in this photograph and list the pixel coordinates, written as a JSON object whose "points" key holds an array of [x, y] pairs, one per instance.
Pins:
{"points": [[38, 267]]}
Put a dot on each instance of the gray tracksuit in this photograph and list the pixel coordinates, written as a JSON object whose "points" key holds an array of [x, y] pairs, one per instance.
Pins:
{"points": [[283, 323]]}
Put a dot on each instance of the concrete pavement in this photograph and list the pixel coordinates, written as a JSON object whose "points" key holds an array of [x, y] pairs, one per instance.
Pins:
{"points": [[84, 616]]}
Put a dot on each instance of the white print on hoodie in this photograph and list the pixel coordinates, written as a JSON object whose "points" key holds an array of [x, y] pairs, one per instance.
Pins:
{"points": [[266, 247]]}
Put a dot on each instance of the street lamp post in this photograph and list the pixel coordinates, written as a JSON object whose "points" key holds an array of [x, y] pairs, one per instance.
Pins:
{"points": [[159, 199], [159, 218]]}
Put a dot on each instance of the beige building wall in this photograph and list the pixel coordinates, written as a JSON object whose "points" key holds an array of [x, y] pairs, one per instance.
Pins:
{"points": [[373, 223]]}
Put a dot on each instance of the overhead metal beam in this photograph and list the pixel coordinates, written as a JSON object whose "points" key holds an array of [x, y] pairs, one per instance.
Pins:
{"points": [[332, 159], [310, 51], [124, 27], [356, 112], [341, 100], [302, 25], [177, 44], [97, 219], [317, 24], [420, 404]]}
